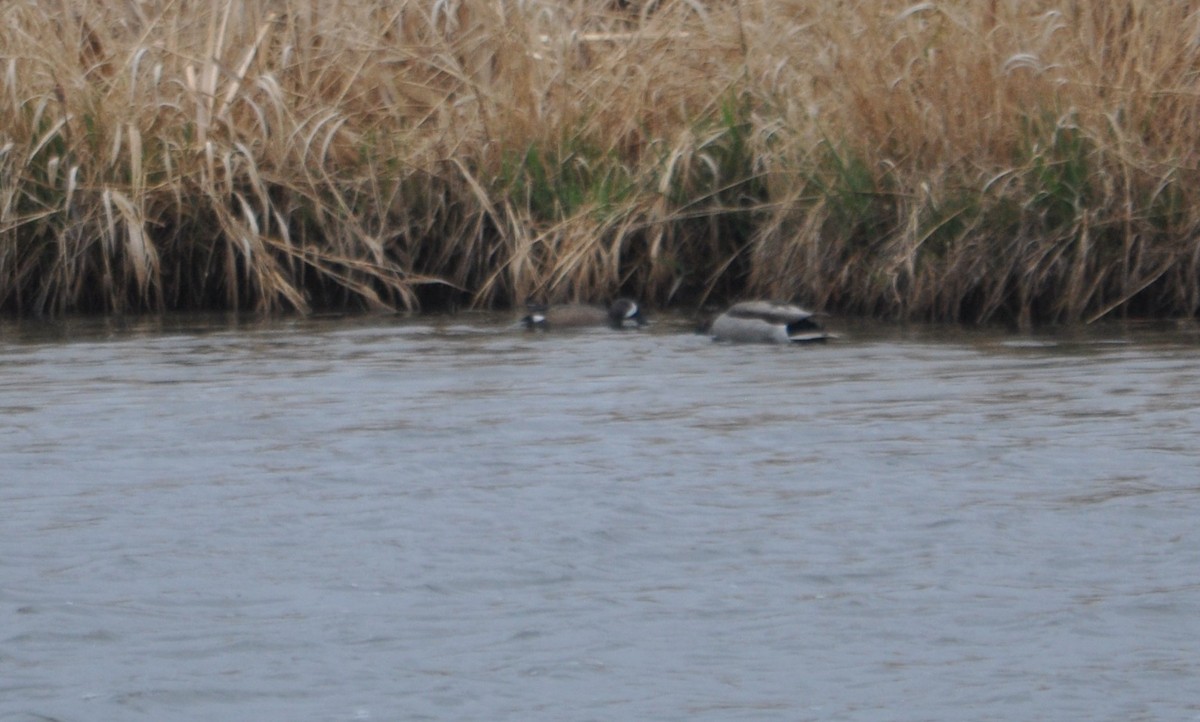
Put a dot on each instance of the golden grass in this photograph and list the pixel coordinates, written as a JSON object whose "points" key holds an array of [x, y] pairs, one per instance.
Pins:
{"points": [[967, 160]]}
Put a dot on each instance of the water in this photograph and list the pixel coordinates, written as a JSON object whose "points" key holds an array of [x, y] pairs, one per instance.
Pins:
{"points": [[376, 519]]}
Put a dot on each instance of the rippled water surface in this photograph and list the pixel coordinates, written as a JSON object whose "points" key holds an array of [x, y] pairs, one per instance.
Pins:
{"points": [[377, 519]]}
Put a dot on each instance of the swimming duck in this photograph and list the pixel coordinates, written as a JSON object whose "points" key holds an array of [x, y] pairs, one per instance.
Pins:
{"points": [[621, 313], [767, 322]]}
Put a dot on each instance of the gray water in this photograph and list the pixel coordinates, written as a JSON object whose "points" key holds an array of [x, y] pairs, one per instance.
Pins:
{"points": [[424, 519]]}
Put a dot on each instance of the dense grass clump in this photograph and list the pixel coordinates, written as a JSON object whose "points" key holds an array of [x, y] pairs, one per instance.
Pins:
{"points": [[968, 160]]}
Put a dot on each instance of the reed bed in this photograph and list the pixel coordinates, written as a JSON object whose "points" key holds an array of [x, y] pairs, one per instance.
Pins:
{"points": [[973, 160]]}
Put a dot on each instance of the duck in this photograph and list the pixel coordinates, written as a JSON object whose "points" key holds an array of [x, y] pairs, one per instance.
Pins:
{"points": [[621, 313], [767, 322]]}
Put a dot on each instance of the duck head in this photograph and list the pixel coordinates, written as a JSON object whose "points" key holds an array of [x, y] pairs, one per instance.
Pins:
{"points": [[624, 311]]}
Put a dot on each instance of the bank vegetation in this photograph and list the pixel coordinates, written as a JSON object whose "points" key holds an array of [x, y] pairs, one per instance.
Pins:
{"points": [[970, 160]]}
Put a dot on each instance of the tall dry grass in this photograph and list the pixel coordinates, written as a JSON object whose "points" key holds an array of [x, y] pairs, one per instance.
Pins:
{"points": [[971, 160]]}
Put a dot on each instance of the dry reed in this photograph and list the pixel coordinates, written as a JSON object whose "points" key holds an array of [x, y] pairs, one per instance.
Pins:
{"points": [[967, 160]]}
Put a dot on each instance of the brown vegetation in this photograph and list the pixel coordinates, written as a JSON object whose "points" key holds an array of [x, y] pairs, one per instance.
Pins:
{"points": [[966, 160]]}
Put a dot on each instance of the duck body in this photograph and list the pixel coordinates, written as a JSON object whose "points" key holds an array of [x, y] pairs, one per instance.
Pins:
{"points": [[621, 313], [767, 322]]}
